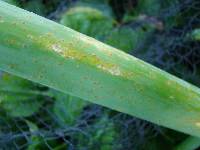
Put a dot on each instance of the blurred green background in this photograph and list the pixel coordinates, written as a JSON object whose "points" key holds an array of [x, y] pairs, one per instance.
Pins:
{"points": [[163, 33]]}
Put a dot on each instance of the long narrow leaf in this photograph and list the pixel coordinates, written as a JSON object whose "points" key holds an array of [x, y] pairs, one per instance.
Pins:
{"points": [[48, 53]]}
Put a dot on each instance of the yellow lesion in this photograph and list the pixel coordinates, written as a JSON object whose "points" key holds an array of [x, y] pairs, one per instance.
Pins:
{"points": [[169, 82], [197, 124], [57, 48], [70, 50], [171, 97], [114, 70], [1, 20]]}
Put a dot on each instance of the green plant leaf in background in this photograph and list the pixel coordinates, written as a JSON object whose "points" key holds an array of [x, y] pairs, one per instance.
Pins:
{"points": [[67, 108], [144, 7], [36, 142], [88, 20], [35, 6], [107, 135], [194, 35], [102, 135], [148, 7], [125, 38], [101, 5], [18, 96], [13, 2]]}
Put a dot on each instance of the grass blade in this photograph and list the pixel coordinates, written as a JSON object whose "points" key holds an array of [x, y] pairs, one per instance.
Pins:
{"points": [[48, 53]]}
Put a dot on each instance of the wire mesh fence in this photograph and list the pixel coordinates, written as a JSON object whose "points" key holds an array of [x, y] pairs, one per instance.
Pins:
{"points": [[159, 32]]}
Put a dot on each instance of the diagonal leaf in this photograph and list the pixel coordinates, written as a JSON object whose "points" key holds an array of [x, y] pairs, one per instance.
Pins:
{"points": [[51, 54]]}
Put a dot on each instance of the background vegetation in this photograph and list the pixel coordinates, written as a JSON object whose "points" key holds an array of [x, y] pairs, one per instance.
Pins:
{"points": [[164, 33]]}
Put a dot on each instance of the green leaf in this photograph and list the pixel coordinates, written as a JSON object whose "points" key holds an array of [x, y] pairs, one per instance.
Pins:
{"points": [[87, 20], [125, 38], [106, 134], [67, 108], [35, 6], [36, 142], [13, 2], [101, 5], [102, 133], [148, 7], [18, 97], [194, 35], [96, 1], [32, 127], [51, 54], [190, 143]]}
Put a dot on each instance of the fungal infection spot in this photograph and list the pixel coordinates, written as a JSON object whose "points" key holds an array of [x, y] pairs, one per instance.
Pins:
{"points": [[197, 124], [169, 82], [30, 36], [1, 20], [57, 48], [112, 70]]}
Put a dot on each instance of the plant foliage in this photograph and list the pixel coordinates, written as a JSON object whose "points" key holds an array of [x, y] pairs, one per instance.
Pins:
{"points": [[44, 118]]}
